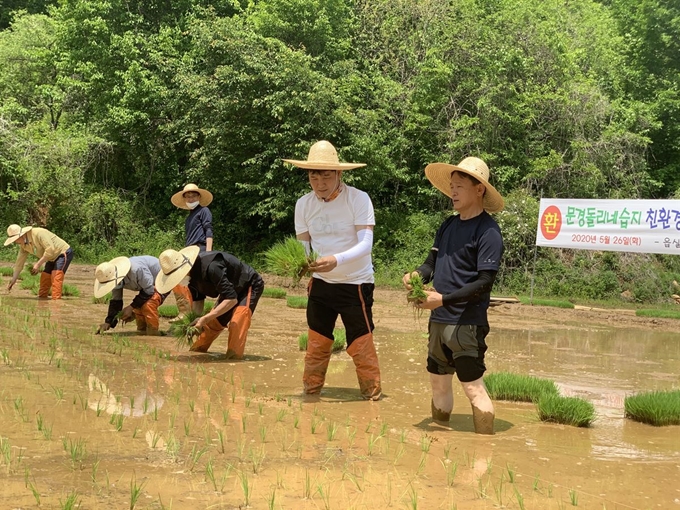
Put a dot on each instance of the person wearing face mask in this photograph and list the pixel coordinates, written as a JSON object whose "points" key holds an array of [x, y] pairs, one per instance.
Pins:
{"points": [[199, 232], [337, 221]]}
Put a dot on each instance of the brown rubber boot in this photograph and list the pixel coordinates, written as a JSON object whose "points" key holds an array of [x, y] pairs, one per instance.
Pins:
{"points": [[365, 360], [483, 421], [183, 300], [238, 332], [140, 320], [210, 332], [318, 355], [45, 285], [150, 312], [152, 331], [57, 283], [439, 415]]}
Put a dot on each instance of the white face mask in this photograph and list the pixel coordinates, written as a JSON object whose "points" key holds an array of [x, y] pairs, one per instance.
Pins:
{"points": [[192, 205]]}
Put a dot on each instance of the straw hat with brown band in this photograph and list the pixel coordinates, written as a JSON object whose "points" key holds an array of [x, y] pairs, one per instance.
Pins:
{"points": [[178, 198], [175, 265], [109, 274], [14, 232], [439, 175], [323, 156]]}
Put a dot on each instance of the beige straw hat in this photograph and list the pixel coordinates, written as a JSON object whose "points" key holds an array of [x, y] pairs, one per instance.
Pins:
{"points": [[323, 156], [439, 175], [175, 265], [178, 198], [14, 232], [109, 274]]}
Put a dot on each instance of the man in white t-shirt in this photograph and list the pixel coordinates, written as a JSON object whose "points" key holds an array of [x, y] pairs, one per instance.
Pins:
{"points": [[337, 221]]}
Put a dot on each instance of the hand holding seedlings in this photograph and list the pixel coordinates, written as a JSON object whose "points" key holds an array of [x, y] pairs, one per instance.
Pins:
{"points": [[102, 327], [127, 314], [414, 283], [323, 264]]}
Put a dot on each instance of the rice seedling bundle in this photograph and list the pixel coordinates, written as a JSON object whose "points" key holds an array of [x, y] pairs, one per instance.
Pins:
{"points": [[288, 258], [417, 293], [658, 408], [339, 340], [518, 387], [296, 302], [274, 292], [183, 331], [566, 410]]}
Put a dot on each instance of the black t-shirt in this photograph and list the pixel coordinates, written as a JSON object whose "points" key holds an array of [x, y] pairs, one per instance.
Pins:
{"points": [[220, 274], [465, 247]]}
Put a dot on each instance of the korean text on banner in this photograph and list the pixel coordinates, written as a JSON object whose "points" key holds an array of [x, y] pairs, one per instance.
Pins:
{"points": [[641, 226]]}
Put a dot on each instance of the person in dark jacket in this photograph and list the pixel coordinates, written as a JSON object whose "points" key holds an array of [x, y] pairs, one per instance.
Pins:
{"points": [[136, 274], [198, 232], [235, 284]]}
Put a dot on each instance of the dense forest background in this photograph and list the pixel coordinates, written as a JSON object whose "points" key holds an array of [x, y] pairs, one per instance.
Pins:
{"points": [[108, 107]]}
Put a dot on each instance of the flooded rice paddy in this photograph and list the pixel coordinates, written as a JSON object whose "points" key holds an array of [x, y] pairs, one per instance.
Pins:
{"points": [[122, 421]]}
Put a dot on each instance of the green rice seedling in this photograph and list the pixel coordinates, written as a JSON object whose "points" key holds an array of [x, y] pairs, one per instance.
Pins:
{"points": [[325, 494], [536, 481], [183, 331], [220, 439], [280, 415], [417, 293], [519, 497], [288, 258], [296, 302], [498, 490], [168, 311], [566, 410], [296, 421], [6, 271], [225, 416], [331, 430], [314, 424], [135, 432], [256, 459], [339, 340], [260, 408], [31, 486], [274, 293], [135, 490], [247, 402], [426, 443], [518, 387], [451, 468], [70, 290], [421, 464], [658, 408], [210, 473], [271, 499], [117, 421], [308, 485], [70, 502], [95, 468], [573, 497], [102, 300], [195, 456], [511, 473], [413, 498], [76, 450], [263, 433], [245, 487]]}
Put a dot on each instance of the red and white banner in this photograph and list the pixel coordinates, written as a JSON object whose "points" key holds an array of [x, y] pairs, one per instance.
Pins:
{"points": [[642, 226]]}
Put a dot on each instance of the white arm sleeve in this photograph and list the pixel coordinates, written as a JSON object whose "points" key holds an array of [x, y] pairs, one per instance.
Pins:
{"points": [[362, 248]]}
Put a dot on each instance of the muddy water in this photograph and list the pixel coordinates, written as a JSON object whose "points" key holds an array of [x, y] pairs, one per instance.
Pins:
{"points": [[94, 417]]}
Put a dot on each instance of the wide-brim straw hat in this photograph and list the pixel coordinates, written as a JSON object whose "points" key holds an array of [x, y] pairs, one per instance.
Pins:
{"points": [[175, 265], [439, 175], [323, 156], [178, 198], [109, 274], [14, 232]]}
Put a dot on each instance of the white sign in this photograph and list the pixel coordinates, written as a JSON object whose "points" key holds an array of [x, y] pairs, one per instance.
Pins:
{"points": [[642, 226]]}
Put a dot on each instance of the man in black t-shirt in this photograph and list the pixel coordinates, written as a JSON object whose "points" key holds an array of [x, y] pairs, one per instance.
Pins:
{"points": [[462, 267], [235, 284]]}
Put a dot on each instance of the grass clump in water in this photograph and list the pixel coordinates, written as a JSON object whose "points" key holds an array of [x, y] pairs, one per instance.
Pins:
{"points": [[183, 331], [296, 302], [661, 314], [566, 410], [658, 408], [6, 271], [288, 258], [556, 303], [102, 300], [339, 340], [274, 292], [518, 387]]}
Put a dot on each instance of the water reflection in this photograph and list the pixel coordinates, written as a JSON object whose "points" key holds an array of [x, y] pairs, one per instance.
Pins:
{"points": [[101, 399]]}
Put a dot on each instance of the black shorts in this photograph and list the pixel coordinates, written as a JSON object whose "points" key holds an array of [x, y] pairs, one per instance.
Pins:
{"points": [[457, 349]]}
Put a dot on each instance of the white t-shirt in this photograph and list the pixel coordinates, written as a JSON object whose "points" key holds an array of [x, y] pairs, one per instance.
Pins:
{"points": [[331, 225]]}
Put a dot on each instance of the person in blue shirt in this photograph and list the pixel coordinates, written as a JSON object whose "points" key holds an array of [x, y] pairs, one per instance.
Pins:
{"points": [[198, 232], [462, 267], [136, 274]]}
